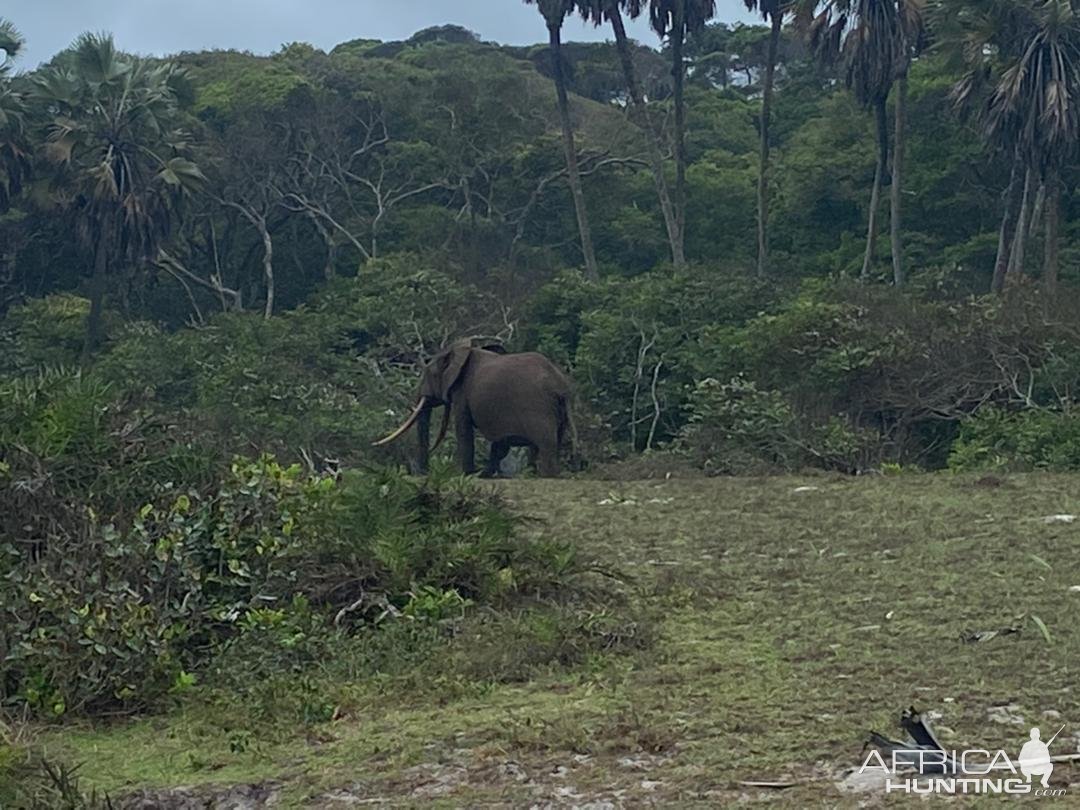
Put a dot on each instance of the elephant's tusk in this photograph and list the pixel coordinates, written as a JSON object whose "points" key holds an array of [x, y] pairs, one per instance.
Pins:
{"points": [[442, 428], [408, 423]]}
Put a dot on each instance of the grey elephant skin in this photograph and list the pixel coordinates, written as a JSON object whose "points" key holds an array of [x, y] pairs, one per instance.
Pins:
{"points": [[512, 400]]}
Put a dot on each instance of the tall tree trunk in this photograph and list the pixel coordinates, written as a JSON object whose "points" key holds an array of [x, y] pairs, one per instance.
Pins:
{"points": [[572, 175], [1016, 255], [1008, 226], [641, 110], [763, 167], [896, 192], [328, 242], [329, 270], [1053, 227], [97, 297], [678, 70], [882, 118], [1037, 207], [268, 268]]}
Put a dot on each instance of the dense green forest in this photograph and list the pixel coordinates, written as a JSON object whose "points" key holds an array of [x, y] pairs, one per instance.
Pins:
{"points": [[272, 244], [840, 240]]}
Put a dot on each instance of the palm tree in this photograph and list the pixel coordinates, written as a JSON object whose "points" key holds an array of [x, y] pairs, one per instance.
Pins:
{"points": [[865, 37], [977, 40], [14, 159], [1028, 202], [773, 12], [597, 11], [555, 13], [674, 19], [119, 155], [911, 29], [1024, 73], [1034, 106]]}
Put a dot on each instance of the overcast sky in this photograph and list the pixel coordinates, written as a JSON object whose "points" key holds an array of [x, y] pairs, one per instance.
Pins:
{"points": [[167, 26]]}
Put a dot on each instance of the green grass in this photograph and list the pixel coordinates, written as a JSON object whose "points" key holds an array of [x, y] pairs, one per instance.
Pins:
{"points": [[786, 625]]}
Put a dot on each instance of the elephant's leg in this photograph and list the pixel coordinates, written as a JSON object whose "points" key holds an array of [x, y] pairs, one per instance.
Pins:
{"points": [[532, 451], [547, 456], [499, 450], [466, 441]]}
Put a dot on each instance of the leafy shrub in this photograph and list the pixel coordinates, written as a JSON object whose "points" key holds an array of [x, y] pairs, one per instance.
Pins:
{"points": [[736, 428], [69, 436], [636, 346], [865, 374], [322, 380], [54, 414], [905, 369], [45, 332], [1025, 440], [286, 385], [122, 615], [110, 601], [733, 427]]}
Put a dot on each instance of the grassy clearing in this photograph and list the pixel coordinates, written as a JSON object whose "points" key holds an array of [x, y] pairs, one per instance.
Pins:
{"points": [[786, 624]]}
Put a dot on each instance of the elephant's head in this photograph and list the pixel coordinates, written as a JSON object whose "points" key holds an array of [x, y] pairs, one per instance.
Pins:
{"points": [[443, 373], [441, 377]]}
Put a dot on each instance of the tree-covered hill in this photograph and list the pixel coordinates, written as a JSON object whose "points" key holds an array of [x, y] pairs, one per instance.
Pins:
{"points": [[449, 146]]}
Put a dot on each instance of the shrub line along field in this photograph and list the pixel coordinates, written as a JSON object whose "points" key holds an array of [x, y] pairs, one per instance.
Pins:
{"points": [[776, 621]]}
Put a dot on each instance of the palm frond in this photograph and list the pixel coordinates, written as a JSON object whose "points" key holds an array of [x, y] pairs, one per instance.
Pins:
{"points": [[11, 43], [96, 59], [1022, 72], [873, 41]]}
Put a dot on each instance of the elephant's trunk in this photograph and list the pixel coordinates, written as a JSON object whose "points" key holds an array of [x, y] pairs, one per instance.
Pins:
{"points": [[421, 407]]}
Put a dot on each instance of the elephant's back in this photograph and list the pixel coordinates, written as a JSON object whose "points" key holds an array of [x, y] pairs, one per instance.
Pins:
{"points": [[517, 395], [534, 368]]}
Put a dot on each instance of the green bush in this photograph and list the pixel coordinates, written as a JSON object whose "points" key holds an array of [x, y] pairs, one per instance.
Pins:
{"points": [[897, 367], [733, 427], [736, 428], [45, 332], [110, 614], [619, 335], [288, 385], [117, 593], [74, 437], [1023, 440], [323, 380]]}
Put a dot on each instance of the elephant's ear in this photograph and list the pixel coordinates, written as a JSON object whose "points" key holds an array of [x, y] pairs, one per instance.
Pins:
{"points": [[456, 361]]}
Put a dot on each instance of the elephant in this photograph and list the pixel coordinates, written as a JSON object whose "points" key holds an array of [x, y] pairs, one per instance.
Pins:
{"points": [[513, 400]]}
